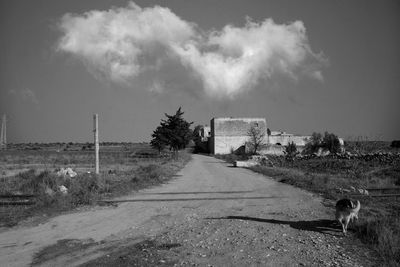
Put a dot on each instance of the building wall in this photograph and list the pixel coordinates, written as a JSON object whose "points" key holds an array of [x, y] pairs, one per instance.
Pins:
{"points": [[235, 126], [227, 144], [229, 134]]}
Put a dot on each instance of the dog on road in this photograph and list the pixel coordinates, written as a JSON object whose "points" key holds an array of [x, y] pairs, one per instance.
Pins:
{"points": [[346, 211]]}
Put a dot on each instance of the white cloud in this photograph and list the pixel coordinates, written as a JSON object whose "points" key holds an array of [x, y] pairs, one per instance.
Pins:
{"points": [[242, 56], [122, 43]]}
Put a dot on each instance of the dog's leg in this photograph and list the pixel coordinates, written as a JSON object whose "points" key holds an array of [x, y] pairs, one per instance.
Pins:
{"points": [[347, 220], [351, 218], [342, 224]]}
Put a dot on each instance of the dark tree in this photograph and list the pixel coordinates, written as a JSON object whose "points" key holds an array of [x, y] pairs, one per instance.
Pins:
{"points": [[328, 142], [196, 133], [174, 132], [331, 142], [159, 140], [314, 144]]}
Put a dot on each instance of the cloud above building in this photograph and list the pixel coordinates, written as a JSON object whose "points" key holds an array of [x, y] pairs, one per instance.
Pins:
{"points": [[123, 44]]}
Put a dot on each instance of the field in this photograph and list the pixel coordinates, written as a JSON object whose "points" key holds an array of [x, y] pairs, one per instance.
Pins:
{"points": [[31, 169], [377, 166]]}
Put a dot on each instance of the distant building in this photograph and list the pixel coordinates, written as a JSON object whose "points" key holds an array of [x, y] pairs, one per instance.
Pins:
{"points": [[230, 134], [205, 133]]}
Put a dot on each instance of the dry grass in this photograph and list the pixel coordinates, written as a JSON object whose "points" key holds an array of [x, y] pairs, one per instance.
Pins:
{"points": [[379, 223], [122, 172]]}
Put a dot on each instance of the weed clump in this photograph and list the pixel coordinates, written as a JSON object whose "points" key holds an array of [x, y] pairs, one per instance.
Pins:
{"points": [[150, 172], [46, 187], [85, 189], [384, 234]]}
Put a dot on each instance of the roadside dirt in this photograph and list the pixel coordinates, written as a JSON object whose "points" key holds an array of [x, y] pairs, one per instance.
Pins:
{"points": [[210, 215]]}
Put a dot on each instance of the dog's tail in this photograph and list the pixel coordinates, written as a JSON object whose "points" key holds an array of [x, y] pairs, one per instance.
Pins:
{"points": [[355, 206]]}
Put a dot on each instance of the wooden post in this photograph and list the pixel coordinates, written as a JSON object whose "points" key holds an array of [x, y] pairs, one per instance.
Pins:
{"points": [[3, 138], [96, 141], [5, 132], [2, 133]]}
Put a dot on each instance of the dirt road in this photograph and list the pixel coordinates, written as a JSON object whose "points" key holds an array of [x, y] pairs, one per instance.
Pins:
{"points": [[211, 214]]}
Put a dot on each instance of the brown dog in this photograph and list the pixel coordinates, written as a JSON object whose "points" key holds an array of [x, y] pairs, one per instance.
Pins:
{"points": [[347, 210]]}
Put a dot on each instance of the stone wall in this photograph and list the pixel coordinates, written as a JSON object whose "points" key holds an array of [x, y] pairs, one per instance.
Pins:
{"points": [[276, 150], [284, 140]]}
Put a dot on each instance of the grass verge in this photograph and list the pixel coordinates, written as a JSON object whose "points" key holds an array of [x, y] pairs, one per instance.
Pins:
{"points": [[84, 189], [379, 223]]}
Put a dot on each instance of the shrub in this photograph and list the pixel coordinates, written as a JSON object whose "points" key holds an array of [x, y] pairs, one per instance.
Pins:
{"points": [[290, 151], [85, 189], [82, 189], [314, 144], [395, 144], [329, 142], [27, 175], [150, 172], [38, 184]]}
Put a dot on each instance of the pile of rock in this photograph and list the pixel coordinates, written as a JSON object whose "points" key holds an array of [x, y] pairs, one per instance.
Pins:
{"points": [[62, 188], [384, 157], [352, 189], [67, 171]]}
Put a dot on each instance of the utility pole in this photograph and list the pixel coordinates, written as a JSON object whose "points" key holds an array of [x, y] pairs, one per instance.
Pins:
{"points": [[96, 141], [3, 137]]}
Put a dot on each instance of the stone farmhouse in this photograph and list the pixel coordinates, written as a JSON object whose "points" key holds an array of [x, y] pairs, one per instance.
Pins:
{"points": [[226, 135]]}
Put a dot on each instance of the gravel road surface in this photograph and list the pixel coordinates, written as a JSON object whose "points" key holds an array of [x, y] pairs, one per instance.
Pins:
{"points": [[211, 214]]}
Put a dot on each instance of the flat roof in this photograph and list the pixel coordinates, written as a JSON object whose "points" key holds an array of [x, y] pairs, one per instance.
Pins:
{"points": [[237, 118]]}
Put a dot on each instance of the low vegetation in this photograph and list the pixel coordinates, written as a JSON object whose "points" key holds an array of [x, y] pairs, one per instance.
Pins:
{"points": [[379, 223], [122, 172], [29, 169], [327, 142]]}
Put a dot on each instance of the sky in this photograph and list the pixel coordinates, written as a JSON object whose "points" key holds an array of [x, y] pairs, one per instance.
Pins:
{"points": [[306, 66]]}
